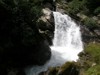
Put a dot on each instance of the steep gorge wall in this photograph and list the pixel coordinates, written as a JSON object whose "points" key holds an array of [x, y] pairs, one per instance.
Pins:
{"points": [[21, 43]]}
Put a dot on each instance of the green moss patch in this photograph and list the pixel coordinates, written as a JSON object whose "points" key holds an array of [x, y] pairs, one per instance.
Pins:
{"points": [[94, 50]]}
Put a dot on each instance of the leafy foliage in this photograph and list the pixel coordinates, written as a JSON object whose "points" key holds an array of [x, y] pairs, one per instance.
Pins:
{"points": [[92, 5], [90, 23], [19, 21], [94, 51], [95, 70], [20, 41], [86, 6], [97, 11], [75, 6]]}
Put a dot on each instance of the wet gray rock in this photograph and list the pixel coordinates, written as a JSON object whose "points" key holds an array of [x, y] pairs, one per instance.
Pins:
{"points": [[46, 25]]}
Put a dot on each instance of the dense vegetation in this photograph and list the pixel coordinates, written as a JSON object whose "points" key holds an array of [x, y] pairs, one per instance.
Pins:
{"points": [[93, 50], [93, 63], [89, 7]]}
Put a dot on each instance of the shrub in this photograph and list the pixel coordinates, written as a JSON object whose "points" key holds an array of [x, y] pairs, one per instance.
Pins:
{"points": [[94, 51], [90, 23], [91, 4], [97, 11], [95, 70], [86, 6], [75, 6]]}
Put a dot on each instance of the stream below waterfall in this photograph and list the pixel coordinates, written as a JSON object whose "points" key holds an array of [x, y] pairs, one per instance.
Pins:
{"points": [[67, 44]]}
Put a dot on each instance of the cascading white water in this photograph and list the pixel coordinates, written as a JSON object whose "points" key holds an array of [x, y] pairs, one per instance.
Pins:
{"points": [[67, 37], [67, 44]]}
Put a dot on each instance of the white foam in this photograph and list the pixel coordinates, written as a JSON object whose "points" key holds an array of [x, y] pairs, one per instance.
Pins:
{"points": [[67, 44]]}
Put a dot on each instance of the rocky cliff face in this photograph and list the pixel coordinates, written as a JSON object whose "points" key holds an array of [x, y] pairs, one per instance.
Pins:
{"points": [[46, 25], [25, 35], [90, 26]]}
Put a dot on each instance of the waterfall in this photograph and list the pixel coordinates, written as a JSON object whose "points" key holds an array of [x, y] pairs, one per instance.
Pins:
{"points": [[66, 44], [67, 38]]}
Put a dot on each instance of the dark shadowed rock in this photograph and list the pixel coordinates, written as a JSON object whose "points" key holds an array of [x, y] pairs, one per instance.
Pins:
{"points": [[46, 25], [21, 44]]}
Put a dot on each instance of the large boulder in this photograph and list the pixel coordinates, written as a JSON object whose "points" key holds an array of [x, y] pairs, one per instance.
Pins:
{"points": [[69, 68], [46, 25]]}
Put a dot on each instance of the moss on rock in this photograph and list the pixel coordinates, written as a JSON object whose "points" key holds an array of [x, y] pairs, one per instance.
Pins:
{"points": [[94, 50], [95, 70]]}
